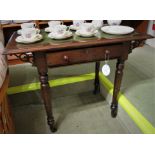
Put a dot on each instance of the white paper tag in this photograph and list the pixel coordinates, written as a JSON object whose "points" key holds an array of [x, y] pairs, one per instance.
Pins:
{"points": [[106, 69]]}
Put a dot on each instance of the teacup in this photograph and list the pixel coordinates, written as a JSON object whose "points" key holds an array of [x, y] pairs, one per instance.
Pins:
{"points": [[28, 25], [59, 29], [87, 28], [114, 22], [78, 23], [54, 23], [97, 23], [29, 33]]}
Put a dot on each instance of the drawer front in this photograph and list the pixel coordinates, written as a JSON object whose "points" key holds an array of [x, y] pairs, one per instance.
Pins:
{"points": [[83, 55]]}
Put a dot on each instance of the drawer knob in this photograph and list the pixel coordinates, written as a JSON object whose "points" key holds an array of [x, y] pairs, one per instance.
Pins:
{"points": [[107, 52], [66, 58]]}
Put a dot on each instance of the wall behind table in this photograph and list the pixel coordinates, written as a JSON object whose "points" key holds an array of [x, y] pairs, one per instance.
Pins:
{"points": [[150, 42]]}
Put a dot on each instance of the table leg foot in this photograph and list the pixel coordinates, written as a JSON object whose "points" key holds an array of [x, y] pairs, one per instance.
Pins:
{"points": [[114, 110], [97, 89], [51, 124]]}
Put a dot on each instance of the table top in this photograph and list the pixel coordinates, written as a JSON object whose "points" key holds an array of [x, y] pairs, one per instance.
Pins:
{"points": [[48, 44]]}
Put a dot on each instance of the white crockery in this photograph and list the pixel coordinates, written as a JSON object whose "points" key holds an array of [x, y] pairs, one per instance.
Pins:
{"points": [[55, 27], [19, 31], [114, 22], [117, 29], [73, 27], [27, 25], [20, 39], [78, 23], [86, 34], [54, 23], [97, 23], [59, 29], [66, 34], [29, 33], [87, 28]]}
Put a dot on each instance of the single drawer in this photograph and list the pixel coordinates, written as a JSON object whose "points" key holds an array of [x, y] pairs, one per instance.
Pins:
{"points": [[83, 55]]}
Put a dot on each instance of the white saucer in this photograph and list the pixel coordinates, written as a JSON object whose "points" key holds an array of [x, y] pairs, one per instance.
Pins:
{"points": [[79, 33], [19, 31], [20, 39], [58, 37], [73, 27], [117, 29]]}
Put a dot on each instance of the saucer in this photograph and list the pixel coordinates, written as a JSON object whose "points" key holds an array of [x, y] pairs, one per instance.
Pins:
{"points": [[80, 33], [19, 31], [59, 37], [20, 39], [73, 27]]}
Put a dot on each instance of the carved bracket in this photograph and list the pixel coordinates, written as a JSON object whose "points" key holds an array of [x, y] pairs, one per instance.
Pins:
{"points": [[25, 57], [135, 43]]}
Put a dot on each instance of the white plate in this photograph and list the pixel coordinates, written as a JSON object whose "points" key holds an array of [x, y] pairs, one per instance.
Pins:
{"points": [[117, 29], [19, 31], [20, 39], [67, 35], [79, 33], [73, 27]]}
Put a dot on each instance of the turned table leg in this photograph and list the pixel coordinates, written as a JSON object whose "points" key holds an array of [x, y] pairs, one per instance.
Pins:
{"points": [[40, 61], [97, 82], [117, 84]]}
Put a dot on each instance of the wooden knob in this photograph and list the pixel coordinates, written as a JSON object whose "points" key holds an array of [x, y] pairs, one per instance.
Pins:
{"points": [[107, 51], [66, 58]]}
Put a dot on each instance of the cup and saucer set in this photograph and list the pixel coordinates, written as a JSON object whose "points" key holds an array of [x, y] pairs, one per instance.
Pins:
{"points": [[57, 30], [28, 34], [88, 29]]}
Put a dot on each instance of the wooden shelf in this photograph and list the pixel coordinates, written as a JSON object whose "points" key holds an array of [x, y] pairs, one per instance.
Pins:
{"points": [[11, 25]]}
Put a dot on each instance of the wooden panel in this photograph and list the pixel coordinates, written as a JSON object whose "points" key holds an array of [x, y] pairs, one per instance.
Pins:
{"points": [[6, 121], [83, 55]]}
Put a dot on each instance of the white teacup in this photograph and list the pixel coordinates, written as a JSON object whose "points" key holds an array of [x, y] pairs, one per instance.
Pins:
{"points": [[114, 22], [59, 29], [54, 23], [78, 23], [97, 23], [28, 25], [29, 33], [87, 28]]}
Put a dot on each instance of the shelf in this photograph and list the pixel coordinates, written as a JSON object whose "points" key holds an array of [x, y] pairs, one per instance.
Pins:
{"points": [[18, 24], [10, 25]]}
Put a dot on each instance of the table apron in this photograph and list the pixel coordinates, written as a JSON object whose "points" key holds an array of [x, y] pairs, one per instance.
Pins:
{"points": [[84, 55]]}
